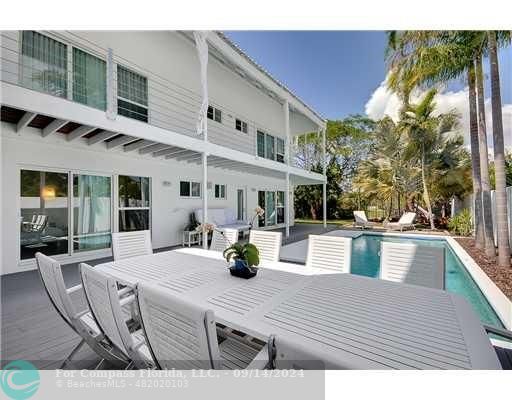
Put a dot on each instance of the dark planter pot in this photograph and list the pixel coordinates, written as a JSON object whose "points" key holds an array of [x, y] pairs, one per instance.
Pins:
{"points": [[242, 270]]}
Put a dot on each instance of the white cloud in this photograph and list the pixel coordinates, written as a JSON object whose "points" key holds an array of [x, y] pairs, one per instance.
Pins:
{"points": [[383, 102]]}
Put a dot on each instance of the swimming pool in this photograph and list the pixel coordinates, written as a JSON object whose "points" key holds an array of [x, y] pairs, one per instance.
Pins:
{"points": [[366, 262]]}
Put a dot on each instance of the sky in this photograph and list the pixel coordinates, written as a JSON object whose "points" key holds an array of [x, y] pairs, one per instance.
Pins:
{"points": [[339, 73]]}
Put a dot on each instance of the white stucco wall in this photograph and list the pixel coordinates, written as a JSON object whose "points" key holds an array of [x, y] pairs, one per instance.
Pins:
{"points": [[169, 211]]}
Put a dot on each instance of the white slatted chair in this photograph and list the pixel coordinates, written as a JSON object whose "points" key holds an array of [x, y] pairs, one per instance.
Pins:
{"points": [[285, 353], [222, 239], [329, 252], [405, 221], [82, 322], [183, 335], [414, 264], [268, 244], [131, 244], [360, 220], [106, 302]]}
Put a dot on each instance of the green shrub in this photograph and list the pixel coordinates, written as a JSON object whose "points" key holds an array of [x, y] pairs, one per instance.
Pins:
{"points": [[462, 223]]}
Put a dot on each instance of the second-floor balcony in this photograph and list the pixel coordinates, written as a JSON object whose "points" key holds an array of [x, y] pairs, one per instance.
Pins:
{"points": [[102, 80]]}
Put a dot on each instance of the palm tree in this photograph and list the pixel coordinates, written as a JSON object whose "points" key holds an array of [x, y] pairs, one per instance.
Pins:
{"points": [[429, 57], [424, 130], [499, 155], [490, 250]]}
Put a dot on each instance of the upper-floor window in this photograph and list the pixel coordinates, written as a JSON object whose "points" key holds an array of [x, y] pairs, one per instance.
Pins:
{"points": [[220, 191], [132, 94], [89, 79], [190, 189], [214, 114], [44, 64], [241, 125], [270, 147]]}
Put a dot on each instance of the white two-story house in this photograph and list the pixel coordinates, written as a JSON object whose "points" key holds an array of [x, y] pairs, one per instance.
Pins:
{"points": [[99, 134]]}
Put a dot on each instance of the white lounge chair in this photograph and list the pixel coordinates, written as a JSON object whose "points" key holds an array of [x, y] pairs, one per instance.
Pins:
{"points": [[82, 322], [361, 221], [329, 252], [222, 239], [131, 244], [183, 335], [405, 221], [268, 244], [414, 264], [285, 353], [106, 302]]}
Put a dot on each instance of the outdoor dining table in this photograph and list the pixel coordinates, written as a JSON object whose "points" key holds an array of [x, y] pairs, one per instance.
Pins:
{"points": [[356, 322]]}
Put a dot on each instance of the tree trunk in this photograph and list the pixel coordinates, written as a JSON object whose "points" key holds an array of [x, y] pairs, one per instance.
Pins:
{"points": [[312, 210], [426, 195], [475, 160], [490, 249], [499, 156]]}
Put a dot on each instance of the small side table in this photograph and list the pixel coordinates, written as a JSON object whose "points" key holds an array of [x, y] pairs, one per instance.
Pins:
{"points": [[191, 237]]}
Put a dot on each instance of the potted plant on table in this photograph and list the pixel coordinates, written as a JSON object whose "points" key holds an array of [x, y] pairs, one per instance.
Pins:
{"points": [[245, 256]]}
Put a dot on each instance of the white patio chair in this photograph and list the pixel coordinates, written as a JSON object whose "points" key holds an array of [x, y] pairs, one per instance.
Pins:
{"points": [[131, 244], [183, 335], [222, 239], [268, 244], [414, 264], [286, 353], [82, 322], [106, 302], [405, 221], [329, 252], [360, 220]]}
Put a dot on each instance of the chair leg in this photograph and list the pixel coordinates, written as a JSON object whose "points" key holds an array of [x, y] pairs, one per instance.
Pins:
{"points": [[73, 352]]}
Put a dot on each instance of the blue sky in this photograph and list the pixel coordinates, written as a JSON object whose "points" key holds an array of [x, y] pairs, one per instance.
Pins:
{"points": [[336, 72]]}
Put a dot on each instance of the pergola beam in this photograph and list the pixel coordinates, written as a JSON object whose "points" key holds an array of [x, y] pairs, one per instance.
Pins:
{"points": [[53, 127], [79, 132], [25, 120], [154, 147], [137, 145], [101, 137], [120, 141], [167, 151], [176, 153]]}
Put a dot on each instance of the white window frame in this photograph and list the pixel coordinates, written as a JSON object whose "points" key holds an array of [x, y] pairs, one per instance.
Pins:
{"points": [[214, 113], [190, 196], [244, 127], [118, 209], [118, 97], [220, 186]]}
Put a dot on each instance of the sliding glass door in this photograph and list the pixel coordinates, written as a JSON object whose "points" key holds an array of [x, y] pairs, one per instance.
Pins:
{"points": [[43, 213], [91, 212]]}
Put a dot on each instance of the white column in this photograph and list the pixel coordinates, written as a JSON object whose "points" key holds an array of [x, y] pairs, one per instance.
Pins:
{"points": [[324, 185], [286, 113], [205, 197], [111, 86], [287, 205]]}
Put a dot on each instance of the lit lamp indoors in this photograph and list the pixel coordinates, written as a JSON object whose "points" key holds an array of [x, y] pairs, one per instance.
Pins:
{"points": [[48, 193]]}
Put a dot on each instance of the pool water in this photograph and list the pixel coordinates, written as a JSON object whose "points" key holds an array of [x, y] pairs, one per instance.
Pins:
{"points": [[366, 262]]}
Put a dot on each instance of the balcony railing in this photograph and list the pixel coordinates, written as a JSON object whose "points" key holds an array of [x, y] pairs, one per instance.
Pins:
{"points": [[94, 76]]}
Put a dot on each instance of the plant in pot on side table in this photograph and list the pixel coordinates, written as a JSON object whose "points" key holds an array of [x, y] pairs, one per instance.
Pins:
{"points": [[245, 257]]}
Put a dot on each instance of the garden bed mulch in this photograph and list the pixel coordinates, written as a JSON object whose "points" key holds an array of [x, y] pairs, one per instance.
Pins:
{"points": [[501, 276]]}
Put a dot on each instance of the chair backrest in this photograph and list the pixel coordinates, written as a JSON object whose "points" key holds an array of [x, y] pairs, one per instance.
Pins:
{"points": [[131, 244], [103, 298], [53, 281], [414, 264], [285, 353], [38, 223], [329, 252], [222, 239], [360, 216], [407, 218], [180, 335], [268, 244]]}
